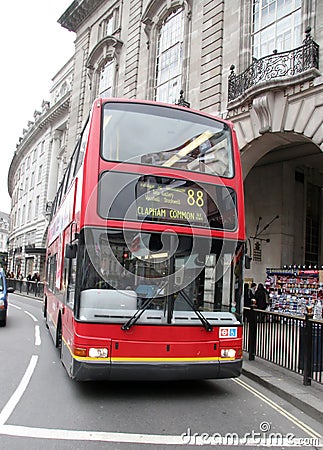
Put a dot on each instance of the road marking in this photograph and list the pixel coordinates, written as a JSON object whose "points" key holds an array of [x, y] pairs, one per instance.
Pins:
{"points": [[155, 439], [31, 315], [15, 398], [37, 335], [49, 433], [137, 438], [14, 306], [279, 409]]}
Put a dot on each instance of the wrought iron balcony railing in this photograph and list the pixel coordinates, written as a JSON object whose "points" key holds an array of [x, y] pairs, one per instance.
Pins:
{"points": [[277, 65]]}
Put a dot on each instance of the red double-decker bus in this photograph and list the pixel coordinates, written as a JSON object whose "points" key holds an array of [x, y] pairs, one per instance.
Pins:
{"points": [[145, 247]]}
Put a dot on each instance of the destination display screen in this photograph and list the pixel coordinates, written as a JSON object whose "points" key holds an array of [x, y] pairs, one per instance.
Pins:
{"points": [[160, 199], [171, 202]]}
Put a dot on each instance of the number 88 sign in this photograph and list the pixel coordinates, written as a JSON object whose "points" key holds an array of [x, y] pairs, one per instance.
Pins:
{"points": [[198, 200]]}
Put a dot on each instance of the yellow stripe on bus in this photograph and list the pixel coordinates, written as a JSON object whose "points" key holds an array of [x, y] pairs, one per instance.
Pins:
{"points": [[142, 359], [132, 360]]}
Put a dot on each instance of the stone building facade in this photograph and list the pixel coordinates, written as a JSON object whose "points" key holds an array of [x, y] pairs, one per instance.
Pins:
{"points": [[245, 60], [4, 234], [251, 61], [34, 173]]}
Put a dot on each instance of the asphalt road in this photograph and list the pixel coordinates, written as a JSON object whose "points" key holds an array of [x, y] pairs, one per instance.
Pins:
{"points": [[41, 408]]}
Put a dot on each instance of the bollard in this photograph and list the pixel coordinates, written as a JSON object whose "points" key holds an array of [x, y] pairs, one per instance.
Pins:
{"points": [[307, 373], [252, 337]]}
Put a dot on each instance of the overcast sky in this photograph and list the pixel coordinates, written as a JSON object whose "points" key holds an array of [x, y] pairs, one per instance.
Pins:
{"points": [[33, 48]]}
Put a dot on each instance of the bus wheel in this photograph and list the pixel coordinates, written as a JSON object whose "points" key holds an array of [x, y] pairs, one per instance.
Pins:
{"points": [[59, 335], [45, 314], [3, 322]]}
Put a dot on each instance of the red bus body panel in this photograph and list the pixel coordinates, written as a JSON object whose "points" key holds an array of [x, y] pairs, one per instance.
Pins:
{"points": [[144, 351]]}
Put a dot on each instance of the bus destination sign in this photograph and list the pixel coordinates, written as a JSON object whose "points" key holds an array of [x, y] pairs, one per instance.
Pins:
{"points": [[153, 198], [171, 203]]}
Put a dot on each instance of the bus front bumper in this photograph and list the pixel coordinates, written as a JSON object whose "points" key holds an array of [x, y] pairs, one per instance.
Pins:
{"points": [[88, 370]]}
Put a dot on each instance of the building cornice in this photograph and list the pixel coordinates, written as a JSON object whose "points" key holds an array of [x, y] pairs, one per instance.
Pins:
{"points": [[43, 121], [77, 13]]}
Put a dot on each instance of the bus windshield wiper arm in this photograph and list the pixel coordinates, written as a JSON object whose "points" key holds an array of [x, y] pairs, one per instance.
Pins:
{"points": [[139, 312], [203, 319]]}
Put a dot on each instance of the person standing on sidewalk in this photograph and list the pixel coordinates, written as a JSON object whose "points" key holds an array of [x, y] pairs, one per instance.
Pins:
{"points": [[261, 296], [252, 291]]}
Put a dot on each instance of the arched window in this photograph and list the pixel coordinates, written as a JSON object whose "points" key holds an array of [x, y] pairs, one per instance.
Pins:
{"points": [[107, 79], [102, 65], [167, 26], [169, 58]]}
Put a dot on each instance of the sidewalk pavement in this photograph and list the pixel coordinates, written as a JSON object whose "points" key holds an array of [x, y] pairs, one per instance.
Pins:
{"points": [[286, 384]]}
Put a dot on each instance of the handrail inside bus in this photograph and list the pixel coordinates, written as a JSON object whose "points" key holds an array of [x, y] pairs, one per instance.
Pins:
{"points": [[188, 148]]}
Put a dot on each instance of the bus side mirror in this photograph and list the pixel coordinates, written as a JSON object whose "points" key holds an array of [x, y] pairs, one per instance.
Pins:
{"points": [[10, 290], [247, 262], [70, 251]]}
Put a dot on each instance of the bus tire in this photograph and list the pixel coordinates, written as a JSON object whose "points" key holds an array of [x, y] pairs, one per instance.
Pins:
{"points": [[58, 342], [45, 313]]}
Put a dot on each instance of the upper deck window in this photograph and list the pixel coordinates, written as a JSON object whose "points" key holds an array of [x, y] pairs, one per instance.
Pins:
{"points": [[162, 136]]}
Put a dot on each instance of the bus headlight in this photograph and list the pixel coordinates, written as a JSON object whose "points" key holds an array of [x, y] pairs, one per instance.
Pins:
{"points": [[228, 353], [98, 352], [1, 304]]}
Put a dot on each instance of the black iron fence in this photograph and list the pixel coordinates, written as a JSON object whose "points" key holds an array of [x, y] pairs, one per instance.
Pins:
{"points": [[275, 66], [295, 343], [32, 288]]}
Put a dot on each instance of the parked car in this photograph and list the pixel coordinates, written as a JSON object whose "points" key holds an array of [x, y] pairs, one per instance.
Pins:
{"points": [[4, 290]]}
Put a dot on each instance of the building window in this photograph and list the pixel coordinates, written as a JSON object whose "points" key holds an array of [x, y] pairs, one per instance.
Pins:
{"points": [[106, 80], [108, 26], [276, 26], [102, 65], [169, 58], [29, 210], [42, 147], [37, 206], [40, 172], [32, 180]]}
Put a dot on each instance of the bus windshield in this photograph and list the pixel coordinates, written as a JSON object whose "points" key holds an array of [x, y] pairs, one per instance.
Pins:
{"points": [[167, 137], [121, 270]]}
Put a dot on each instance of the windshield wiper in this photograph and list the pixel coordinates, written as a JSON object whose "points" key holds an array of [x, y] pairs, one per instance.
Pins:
{"points": [[139, 312], [203, 319]]}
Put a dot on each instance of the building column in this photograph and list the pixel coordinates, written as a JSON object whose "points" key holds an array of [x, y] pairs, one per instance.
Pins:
{"points": [[53, 166]]}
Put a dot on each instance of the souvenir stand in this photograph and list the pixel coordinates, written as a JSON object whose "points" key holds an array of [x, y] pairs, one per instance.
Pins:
{"points": [[292, 289]]}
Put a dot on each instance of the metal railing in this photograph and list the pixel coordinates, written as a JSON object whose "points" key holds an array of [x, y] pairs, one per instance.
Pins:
{"points": [[292, 342], [32, 288], [275, 66]]}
